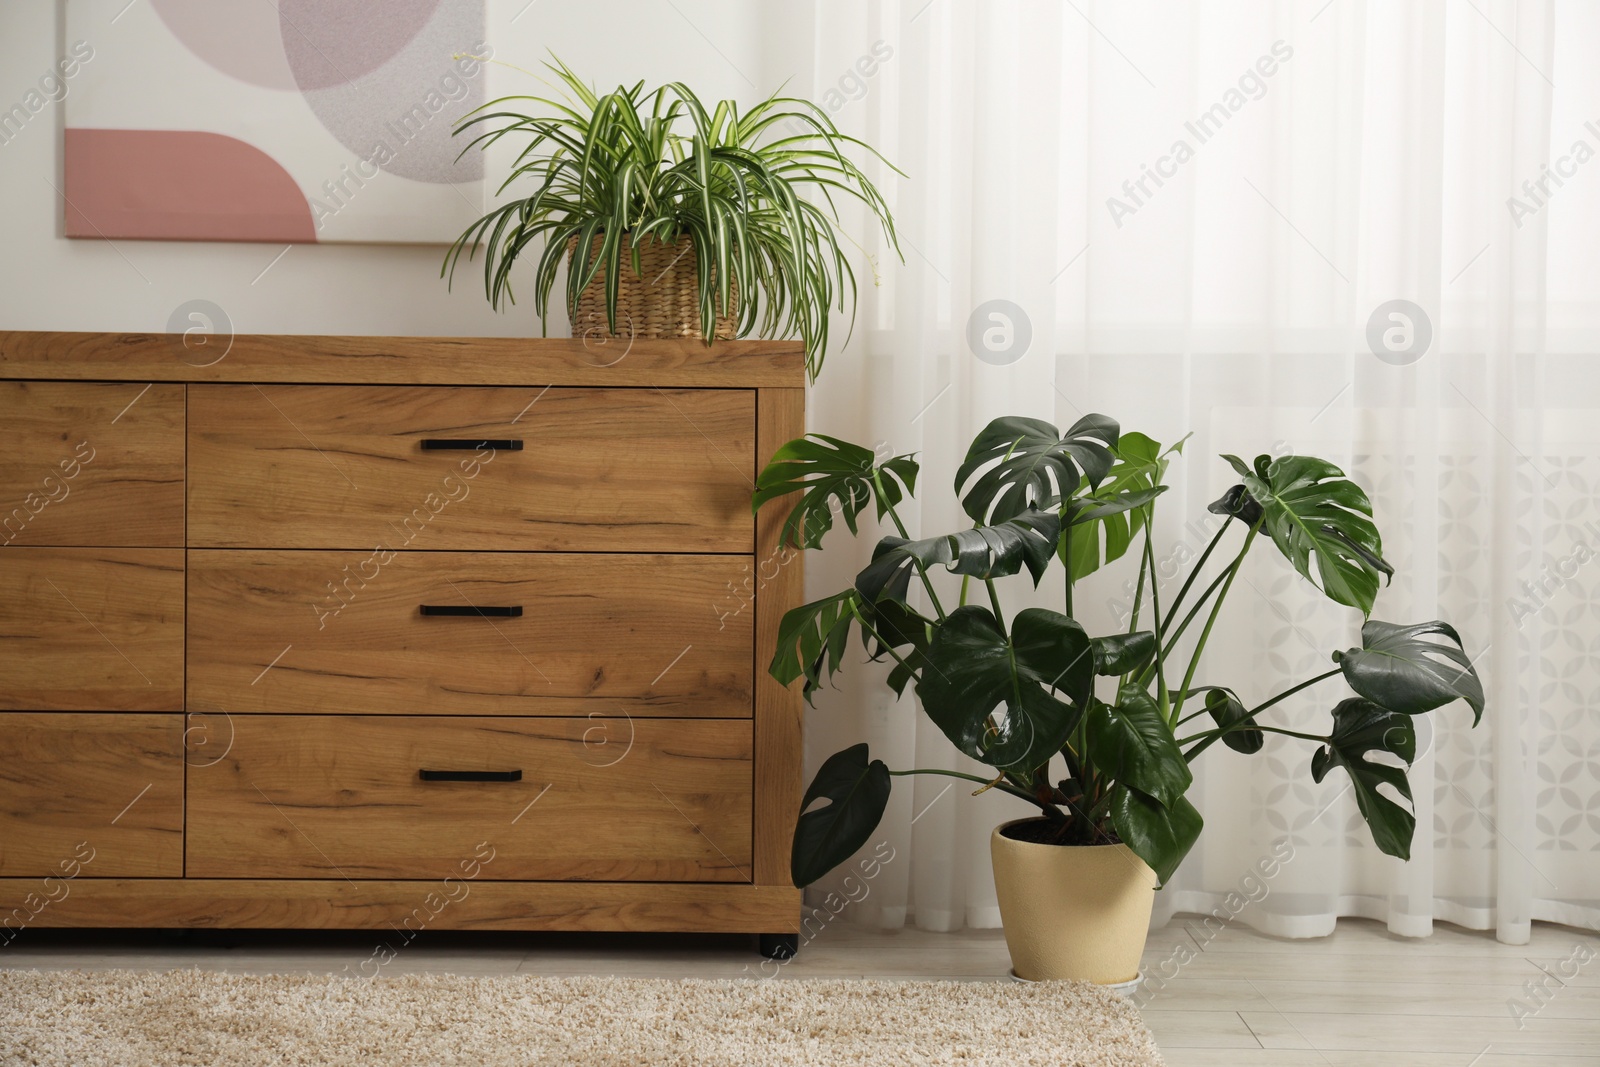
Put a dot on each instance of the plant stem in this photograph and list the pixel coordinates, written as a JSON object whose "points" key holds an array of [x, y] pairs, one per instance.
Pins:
{"points": [[1212, 735], [1292, 691], [1155, 606], [994, 599], [1199, 565], [1066, 554], [1138, 598], [1211, 620], [922, 572], [1050, 810]]}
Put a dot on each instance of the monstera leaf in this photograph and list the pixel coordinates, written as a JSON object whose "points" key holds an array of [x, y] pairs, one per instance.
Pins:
{"points": [[1360, 727], [1132, 742], [899, 628], [1400, 668], [811, 640], [1123, 653], [1028, 540], [1035, 465], [1159, 835], [1310, 508], [830, 473], [1227, 710], [1102, 523], [857, 791], [972, 669]]}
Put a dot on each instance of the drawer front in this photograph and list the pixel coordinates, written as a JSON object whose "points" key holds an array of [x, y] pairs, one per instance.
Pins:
{"points": [[91, 464], [626, 470], [91, 796], [96, 629], [342, 632], [598, 799]]}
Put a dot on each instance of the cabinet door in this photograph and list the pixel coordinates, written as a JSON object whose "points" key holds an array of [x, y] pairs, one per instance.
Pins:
{"points": [[91, 629], [91, 796], [91, 464]]}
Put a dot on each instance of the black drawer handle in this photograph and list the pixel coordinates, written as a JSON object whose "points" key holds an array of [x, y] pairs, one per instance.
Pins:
{"points": [[463, 444], [470, 776], [514, 611]]}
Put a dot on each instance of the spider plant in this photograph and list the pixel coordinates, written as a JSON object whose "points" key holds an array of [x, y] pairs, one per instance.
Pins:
{"points": [[754, 190]]}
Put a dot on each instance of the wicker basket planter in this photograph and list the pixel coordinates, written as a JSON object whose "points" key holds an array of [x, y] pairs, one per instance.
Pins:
{"points": [[663, 301]]}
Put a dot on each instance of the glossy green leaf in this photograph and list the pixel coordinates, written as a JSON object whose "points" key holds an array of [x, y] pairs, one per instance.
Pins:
{"points": [[812, 640], [1104, 521], [831, 475], [1132, 742], [1117, 654], [1227, 710], [901, 629], [1404, 669], [1161, 836], [974, 671], [1313, 512], [1361, 727], [1026, 541], [857, 792], [1028, 463]]}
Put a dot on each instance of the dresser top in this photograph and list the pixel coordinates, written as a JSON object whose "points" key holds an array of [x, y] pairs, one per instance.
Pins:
{"points": [[313, 359]]}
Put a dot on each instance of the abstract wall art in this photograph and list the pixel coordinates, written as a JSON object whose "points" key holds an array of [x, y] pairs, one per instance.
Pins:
{"points": [[288, 121]]}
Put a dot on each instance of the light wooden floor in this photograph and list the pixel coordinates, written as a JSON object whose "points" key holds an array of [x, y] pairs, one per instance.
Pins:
{"points": [[1361, 998]]}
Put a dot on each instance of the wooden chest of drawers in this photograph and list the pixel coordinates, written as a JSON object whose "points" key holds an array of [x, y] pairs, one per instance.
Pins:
{"points": [[298, 637]]}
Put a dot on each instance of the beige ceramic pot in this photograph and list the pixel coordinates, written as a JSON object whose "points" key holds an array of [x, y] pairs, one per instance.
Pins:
{"points": [[1078, 912]]}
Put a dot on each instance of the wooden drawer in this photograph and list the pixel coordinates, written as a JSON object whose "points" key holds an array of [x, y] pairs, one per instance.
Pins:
{"points": [[344, 632], [91, 796], [91, 464], [630, 470], [86, 629], [603, 799]]}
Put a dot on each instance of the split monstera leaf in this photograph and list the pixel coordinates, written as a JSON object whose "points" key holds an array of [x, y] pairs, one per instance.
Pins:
{"points": [[1092, 730]]}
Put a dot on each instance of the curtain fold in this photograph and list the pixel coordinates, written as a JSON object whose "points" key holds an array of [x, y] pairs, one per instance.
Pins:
{"points": [[1198, 219]]}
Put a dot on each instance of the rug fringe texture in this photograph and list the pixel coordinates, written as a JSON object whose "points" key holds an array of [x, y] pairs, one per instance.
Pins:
{"points": [[161, 1019]]}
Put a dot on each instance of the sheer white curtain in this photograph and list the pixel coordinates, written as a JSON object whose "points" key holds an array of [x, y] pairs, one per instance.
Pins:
{"points": [[1196, 209]]}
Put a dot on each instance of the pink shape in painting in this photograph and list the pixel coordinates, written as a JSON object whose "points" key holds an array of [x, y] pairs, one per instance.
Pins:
{"points": [[179, 185]]}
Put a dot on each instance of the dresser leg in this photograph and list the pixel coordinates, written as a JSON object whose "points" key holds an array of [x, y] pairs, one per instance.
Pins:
{"points": [[780, 946]]}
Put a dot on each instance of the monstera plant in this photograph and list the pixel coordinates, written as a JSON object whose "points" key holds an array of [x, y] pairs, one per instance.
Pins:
{"points": [[1095, 733]]}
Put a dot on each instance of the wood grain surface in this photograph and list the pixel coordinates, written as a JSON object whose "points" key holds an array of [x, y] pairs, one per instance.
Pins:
{"points": [[93, 796], [779, 584], [91, 629], [463, 361], [344, 467], [601, 799], [91, 464], [391, 906], [341, 632]]}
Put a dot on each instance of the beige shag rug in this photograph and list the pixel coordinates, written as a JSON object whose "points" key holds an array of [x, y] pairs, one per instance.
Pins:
{"points": [[162, 1019]]}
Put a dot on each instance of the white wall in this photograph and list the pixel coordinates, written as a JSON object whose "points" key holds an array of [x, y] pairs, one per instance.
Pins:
{"points": [[722, 48]]}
